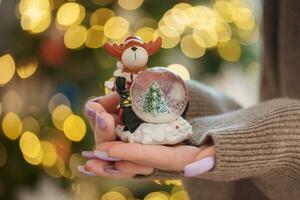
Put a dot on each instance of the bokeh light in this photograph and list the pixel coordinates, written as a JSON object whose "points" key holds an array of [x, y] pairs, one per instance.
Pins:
{"points": [[49, 154], [180, 70], [100, 16], [12, 102], [190, 48], [31, 124], [145, 33], [27, 69], [167, 42], [113, 196], [74, 128], [70, 13], [124, 191], [180, 195], [75, 36], [116, 28], [30, 144], [7, 69], [95, 37], [157, 196], [230, 51], [56, 100], [12, 125], [130, 4], [59, 114]]}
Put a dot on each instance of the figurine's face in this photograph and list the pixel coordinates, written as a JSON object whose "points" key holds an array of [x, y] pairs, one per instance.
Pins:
{"points": [[134, 58]]}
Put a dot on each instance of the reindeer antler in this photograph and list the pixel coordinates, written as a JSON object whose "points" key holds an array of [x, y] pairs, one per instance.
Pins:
{"points": [[153, 46], [114, 50]]}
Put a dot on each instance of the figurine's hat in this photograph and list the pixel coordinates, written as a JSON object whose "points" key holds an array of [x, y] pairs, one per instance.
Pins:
{"points": [[133, 40]]}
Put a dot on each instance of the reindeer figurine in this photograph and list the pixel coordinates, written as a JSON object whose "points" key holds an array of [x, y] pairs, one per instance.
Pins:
{"points": [[133, 57]]}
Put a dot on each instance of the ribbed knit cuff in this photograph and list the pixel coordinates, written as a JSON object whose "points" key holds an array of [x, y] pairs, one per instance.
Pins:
{"points": [[252, 141]]}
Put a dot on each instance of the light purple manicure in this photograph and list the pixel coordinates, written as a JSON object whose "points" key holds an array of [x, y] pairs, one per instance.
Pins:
{"points": [[111, 169], [199, 167], [94, 99], [81, 169], [103, 156], [101, 123], [88, 154], [89, 112]]}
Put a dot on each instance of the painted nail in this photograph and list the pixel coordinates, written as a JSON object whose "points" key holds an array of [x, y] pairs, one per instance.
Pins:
{"points": [[103, 156], [89, 112], [81, 169], [94, 99], [199, 167], [111, 169], [88, 154], [101, 123]]}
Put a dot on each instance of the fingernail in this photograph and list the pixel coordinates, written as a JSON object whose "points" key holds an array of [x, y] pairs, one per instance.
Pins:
{"points": [[81, 169], [103, 156], [111, 169], [101, 123], [199, 167], [88, 154], [89, 112], [94, 99]]}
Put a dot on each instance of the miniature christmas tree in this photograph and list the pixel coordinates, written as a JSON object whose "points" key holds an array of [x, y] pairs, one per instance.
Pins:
{"points": [[154, 101]]}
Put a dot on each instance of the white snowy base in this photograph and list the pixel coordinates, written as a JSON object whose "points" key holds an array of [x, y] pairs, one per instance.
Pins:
{"points": [[164, 133]]}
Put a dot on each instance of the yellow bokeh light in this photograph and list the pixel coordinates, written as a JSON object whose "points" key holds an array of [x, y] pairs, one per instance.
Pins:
{"points": [[113, 196], [43, 24], [74, 128], [35, 160], [180, 70], [244, 19], [59, 114], [131, 4], [157, 196], [145, 33], [124, 191], [70, 13], [204, 17], [223, 31], [225, 10], [58, 169], [12, 125], [230, 51], [75, 36], [190, 48], [95, 37], [205, 37], [25, 5], [177, 188], [56, 100], [12, 102], [100, 16], [31, 124], [27, 69], [116, 28], [167, 42], [180, 195], [30, 144], [7, 68], [50, 154]]}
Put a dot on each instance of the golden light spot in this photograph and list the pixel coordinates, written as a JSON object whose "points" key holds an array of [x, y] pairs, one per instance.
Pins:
{"points": [[167, 42], [25, 5], [75, 160], [180, 195], [102, 2], [124, 191], [180, 70], [70, 13], [205, 37], [11, 102], [225, 10], [223, 31], [59, 114], [75, 36], [50, 154], [248, 36], [43, 24], [27, 69], [0, 108], [205, 18], [3, 155], [58, 169], [74, 128], [145, 33], [190, 48], [12, 126], [230, 51], [130, 5], [30, 144], [157, 196], [180, 16], [182, 6], [100, 16], [173, 182], [56, 100], [95, 37], [177, 188], [31, 124], [7, 69], [244, 19], [35, 160], [113, 196], [116, 28]]}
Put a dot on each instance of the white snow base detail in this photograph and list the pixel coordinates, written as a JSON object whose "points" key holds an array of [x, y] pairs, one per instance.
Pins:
{"points": [[164, 133]]}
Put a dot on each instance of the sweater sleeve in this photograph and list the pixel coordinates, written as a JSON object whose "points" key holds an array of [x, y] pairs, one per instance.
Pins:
{"points": [[251, 142]]}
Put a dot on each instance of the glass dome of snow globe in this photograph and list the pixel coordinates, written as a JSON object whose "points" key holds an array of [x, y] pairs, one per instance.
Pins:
{"points": [[158, 95]]}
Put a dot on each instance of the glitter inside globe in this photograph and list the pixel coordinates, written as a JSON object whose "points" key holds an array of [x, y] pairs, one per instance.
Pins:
{"points": [[158, 95]]}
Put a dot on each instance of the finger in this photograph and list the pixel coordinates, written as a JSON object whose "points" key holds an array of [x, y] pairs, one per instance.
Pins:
{"points": [[110, 102], [157, 156], [104, 128], [101, 168], [209, 151], [133, 168]]}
